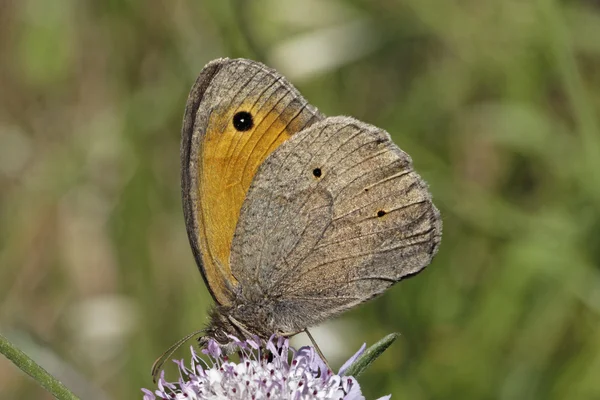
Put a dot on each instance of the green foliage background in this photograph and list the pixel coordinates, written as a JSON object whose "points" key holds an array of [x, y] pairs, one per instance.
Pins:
{"points": [[497, 101]]}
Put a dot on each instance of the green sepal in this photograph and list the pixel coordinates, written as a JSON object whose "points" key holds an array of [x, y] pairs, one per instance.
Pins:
{"points": [[370, 355]]}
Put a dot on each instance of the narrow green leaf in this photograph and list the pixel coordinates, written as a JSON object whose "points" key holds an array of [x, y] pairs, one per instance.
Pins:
{"points": [[370, 355], [33, 369]]}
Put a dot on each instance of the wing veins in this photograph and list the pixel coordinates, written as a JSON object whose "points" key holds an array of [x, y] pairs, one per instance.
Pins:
{"points": [[359, 255], [422, 233], [266, 130], [379, 199]]}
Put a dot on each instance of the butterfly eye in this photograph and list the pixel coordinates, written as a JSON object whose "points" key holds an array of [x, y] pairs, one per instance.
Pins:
{"points": [[317, 172], [242, 121]]}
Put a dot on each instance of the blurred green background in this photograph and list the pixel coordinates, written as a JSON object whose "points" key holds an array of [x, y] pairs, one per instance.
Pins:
{"points": [[497, 101]]}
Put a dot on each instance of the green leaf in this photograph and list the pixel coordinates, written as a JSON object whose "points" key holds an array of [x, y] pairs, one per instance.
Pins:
{"points": [[370, 355], [33, 369]]}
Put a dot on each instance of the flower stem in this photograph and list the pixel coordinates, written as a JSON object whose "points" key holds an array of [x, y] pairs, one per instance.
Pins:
{"points": [[34, 370]]}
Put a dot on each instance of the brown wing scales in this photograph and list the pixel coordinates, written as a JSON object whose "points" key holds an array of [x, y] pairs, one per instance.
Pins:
{"points": [[319, 243], [219, 162]]}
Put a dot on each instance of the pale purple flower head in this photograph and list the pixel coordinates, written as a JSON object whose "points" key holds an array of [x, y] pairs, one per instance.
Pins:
{"points": [[281, 372]]}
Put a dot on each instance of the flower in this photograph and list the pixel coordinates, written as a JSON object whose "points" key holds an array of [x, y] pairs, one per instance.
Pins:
{"points": [[273, 371]]}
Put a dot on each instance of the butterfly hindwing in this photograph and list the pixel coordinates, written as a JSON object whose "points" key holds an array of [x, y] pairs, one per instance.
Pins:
{"points": [[333, 217]]}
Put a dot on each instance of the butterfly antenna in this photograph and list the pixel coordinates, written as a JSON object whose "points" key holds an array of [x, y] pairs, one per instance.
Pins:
{"points": [[160, 361]]}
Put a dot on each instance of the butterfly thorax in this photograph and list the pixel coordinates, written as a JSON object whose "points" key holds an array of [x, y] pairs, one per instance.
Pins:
{"points": [[245, 319], [236, 321]]}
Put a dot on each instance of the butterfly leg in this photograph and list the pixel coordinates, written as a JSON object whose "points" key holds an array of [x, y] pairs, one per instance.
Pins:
{"points": [[249, 334], [241, 327], [314, 342]]}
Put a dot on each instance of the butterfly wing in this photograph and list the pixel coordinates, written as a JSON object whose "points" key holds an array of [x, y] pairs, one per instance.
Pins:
{"points": [[334, 217], [219, 158]]}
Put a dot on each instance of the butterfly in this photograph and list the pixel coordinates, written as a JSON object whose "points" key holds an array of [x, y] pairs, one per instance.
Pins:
{"points": [[293, 217]]}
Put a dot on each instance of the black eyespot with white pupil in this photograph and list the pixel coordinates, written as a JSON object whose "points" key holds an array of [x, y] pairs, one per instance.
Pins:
{"points": [[242, 121]]}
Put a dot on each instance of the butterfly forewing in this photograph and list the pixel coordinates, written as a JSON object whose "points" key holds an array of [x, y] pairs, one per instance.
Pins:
{"points": [[238, 112]]}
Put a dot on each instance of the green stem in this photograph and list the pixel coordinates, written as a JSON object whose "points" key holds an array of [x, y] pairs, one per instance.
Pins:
{"points": [[34, 370]]}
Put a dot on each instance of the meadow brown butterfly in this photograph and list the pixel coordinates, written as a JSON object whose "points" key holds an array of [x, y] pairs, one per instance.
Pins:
{"points": [[293, 217]]}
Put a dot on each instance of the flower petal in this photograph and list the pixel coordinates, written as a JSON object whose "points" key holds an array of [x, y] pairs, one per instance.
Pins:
{"points": [[217, 377]]}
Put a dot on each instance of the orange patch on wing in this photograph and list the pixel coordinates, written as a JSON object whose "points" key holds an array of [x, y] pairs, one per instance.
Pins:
{"points": [[229, 159]]}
